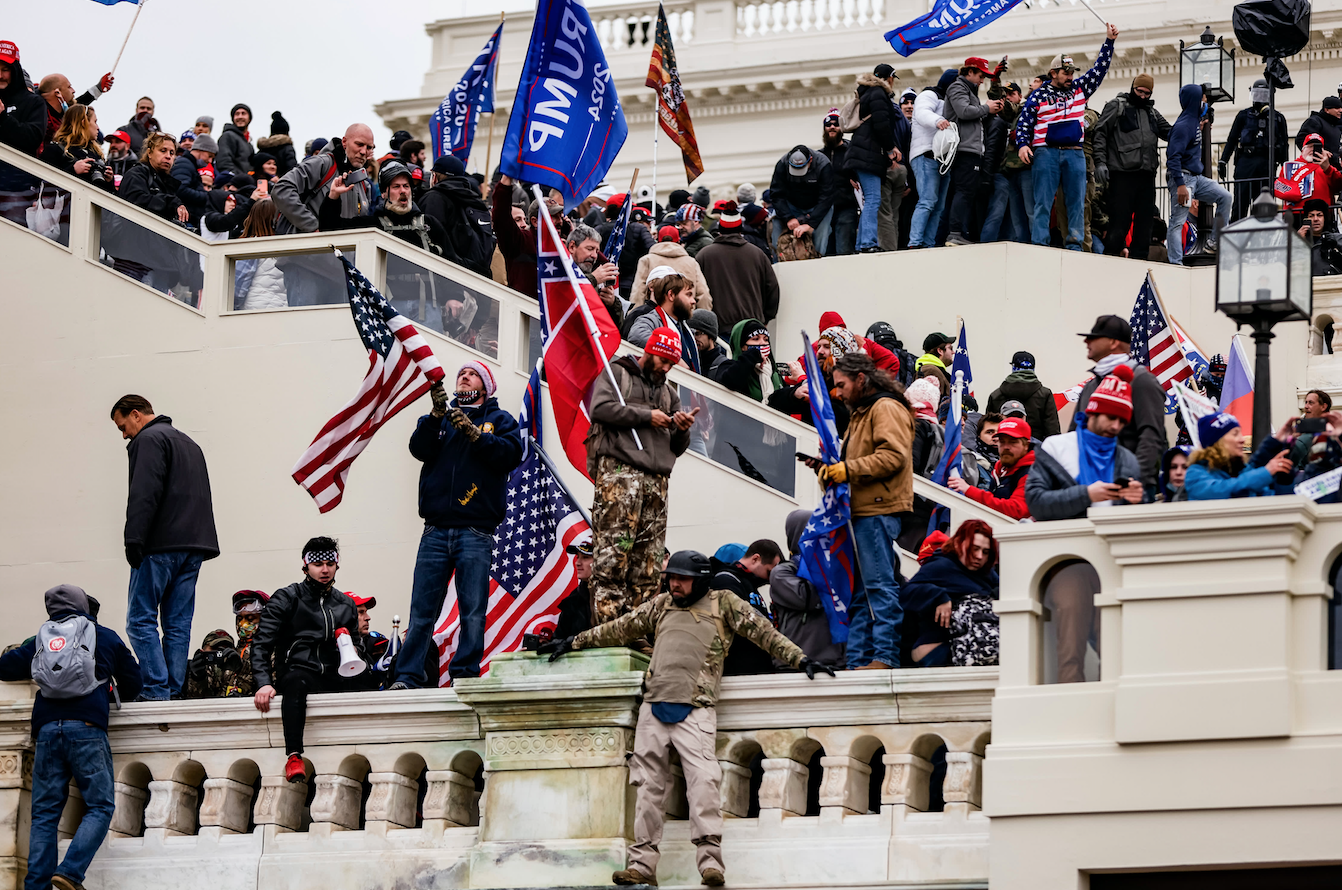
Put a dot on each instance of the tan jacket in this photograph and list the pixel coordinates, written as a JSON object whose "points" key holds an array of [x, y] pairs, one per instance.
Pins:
{"points": [[878, 455], [669, 253], [612, 423]]}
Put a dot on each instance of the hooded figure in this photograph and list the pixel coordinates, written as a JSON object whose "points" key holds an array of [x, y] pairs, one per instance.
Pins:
{"points": [[797, 607], [1184, 155], [752, 370], [1023, 385]]}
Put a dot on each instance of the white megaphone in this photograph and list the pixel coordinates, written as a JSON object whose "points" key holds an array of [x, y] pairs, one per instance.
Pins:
{"points": [[351, 665]]}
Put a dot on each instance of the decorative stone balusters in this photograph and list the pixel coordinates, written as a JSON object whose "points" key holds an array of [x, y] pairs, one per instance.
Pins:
{"points": [[337, 803], [16, 782], [226, 809], [172, 808], [963, 788], [128, 818], [280, 803], [735, 790], [392, 801], [451, 801], [906, 785], [845, 789]]}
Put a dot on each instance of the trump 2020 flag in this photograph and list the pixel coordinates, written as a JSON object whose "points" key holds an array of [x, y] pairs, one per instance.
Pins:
{"points": [[566, 125], [961, 361], [950, 452], [452, 126], [948, 20], [828, 559], [401, 368]]}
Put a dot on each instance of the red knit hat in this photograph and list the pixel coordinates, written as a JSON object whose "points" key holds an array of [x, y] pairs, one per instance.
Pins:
{"points": [[663, 343], [1114, 395]]}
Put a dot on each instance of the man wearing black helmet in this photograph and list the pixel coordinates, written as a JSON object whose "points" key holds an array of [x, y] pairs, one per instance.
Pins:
{"points": [[694, 628], [1248, 142], [398, 214]]}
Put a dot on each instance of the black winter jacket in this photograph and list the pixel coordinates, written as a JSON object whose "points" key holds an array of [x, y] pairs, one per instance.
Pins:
{"points": [[282, 148], [744, 658], [298, 628], [23, 125], [1326, 126], [455, 202], [1041, 411], [216, 220], [869, 151], [156, 192], [1127, 136], [805, 198], [190, 188], [235, 150], [844, 196], [66, 158], [169, 506], [112, 660], [464, 484]]}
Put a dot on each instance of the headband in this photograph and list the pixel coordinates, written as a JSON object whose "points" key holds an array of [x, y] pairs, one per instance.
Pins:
{"points": [[321, 556]]}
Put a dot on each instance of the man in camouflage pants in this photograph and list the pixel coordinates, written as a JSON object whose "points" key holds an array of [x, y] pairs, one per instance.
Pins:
{"points": [[694, 627], [637, 433]]}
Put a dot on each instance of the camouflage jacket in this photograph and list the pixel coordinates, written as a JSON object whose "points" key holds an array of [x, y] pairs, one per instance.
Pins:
{"points": [[213, 680], [738, 617]]}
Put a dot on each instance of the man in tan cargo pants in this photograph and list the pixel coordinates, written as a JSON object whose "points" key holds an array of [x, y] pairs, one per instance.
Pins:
{"points": [[694, 627]]}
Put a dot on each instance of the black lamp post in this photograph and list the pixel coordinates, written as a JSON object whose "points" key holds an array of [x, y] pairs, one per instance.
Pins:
{"points": [[1210, 65], [1263, 277]]}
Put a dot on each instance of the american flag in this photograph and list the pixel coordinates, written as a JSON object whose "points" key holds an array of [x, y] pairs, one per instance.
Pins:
{"points": [[615, 240], [1154, 343], [401, 368], [531, 572]]}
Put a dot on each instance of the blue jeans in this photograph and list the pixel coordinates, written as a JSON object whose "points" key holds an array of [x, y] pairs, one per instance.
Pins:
{"points": [[871, 208], [164, 586], [1007, 205], [1203, 190], [442, 552], [68, 749], [875, 613], [932, 186], [820, 236], [1052, 166]]}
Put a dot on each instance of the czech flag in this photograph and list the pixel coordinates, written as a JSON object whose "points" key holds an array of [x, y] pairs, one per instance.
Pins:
{"points": [[1237, 391]]}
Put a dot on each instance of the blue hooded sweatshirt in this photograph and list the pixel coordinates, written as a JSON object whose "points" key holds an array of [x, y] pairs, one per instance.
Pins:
{"points": [[1184, 154]]}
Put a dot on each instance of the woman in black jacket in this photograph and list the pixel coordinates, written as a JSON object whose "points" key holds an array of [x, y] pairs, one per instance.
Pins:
{"points": [[869, 152], [150, 185], [74, 148], [299, 628], [948, 617]]}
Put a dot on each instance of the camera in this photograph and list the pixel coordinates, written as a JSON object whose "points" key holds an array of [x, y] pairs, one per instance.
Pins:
{"points": [[226, 658], [97, 170]]}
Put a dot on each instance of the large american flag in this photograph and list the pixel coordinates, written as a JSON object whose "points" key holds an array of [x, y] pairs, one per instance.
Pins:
{"points": [[531, 572], [1154, 342], [401, 368]]}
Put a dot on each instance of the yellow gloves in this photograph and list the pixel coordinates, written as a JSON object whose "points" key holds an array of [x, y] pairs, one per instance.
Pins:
{"points": [[833, 474]]}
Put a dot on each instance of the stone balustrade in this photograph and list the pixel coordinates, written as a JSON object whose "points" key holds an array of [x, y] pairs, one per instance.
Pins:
{"points": [[520, 779]]}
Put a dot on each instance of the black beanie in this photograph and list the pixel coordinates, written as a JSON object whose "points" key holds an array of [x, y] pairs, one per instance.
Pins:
{"points": [[278, 125]]}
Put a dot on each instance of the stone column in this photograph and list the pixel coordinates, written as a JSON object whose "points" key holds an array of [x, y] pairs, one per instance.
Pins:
{"points": [[735, 789], [128, 818], [16, 779], [556, 810], [337, 802], [906, 782], [227, 806], [451, 800], [846, 787], [281, 803], [784, 787], [172, 808], [964, 780], [392, 800]]}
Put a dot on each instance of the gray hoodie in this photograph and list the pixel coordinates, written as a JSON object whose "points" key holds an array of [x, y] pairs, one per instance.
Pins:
{"points": [[66, 598], [797, 607]]}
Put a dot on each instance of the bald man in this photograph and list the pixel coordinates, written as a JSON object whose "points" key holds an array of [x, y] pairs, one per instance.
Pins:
{"points": [[320, 194], [56, 91]]}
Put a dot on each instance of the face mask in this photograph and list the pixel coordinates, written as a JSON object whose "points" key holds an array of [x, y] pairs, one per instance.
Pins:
{"points": [[466, 396], [764, 350], [64, 107], [247, 625]]}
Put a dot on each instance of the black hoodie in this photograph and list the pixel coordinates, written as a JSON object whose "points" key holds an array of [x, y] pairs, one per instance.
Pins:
{"points": [[24, 121], [456, 203]]}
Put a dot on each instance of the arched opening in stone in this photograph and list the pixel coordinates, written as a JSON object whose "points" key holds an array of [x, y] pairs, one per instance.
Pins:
{"points": [[1071, 630]]}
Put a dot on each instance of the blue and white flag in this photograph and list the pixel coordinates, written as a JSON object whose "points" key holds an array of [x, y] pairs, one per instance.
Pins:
{"points": [[948, 20], [950, 453], [115, 2], [961, 362], [828, 559], [452, 126], [566, 124]]}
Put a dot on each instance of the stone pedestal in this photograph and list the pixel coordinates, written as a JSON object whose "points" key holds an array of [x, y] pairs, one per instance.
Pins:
{"points": [[735, 789], [846, 785], [451, 801], [557, 809], [906, 781], [392, 799], [337, 802], [784, 786], [128, 818], [281, 803], [227, 805], [172, 808]]}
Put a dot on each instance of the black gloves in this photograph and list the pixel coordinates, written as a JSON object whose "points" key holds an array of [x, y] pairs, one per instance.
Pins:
{"points": [[753, 355], [814, 667], [1101, 175], [1221, 169], [556, 648], [134, 555]]}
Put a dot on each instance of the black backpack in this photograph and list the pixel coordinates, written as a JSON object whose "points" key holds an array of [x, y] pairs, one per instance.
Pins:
{"points": [[634, 315]]}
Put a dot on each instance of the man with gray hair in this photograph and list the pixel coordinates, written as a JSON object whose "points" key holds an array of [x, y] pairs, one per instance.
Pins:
{"points": [[584, 245]]}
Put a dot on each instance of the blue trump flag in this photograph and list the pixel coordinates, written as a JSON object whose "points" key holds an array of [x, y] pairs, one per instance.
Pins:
{"points": [[615, 241], [828, 559], [566, 124], [961, 361], [948, 20], [950, 453], [452, 126]]}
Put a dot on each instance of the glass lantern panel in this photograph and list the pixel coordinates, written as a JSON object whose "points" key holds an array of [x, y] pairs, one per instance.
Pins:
{"points": [[1207, 69], [1302, 282], [1228, 75]]}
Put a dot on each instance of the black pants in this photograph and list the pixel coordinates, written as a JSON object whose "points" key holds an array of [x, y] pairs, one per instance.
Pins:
{"points": [[295, 687], [965, 174], [1250, 177], [1131, 195]]}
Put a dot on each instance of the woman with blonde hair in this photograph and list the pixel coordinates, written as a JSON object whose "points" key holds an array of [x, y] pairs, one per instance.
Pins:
{"points": [[1217, 470], [74, 147]]}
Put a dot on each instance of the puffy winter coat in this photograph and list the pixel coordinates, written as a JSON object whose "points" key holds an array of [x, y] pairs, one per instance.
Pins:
{"points": [[282, 149], [1203, 483], [265, 287], [742, 279], [235, 150], [928, 110], [964, 109], [24, 122], [1041, 412], [156, 192], [869, 150], [669, 253]]}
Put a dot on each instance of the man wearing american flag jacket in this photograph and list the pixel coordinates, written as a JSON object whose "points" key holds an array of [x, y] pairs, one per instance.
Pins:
{"points": [[468, 449]]}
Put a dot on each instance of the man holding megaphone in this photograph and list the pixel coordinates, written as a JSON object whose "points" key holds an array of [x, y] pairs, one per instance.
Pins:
{"points": [[312, 630]]}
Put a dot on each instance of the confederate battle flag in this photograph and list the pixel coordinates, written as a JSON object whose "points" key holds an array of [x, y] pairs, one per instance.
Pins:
{"points": [[672, 111]]}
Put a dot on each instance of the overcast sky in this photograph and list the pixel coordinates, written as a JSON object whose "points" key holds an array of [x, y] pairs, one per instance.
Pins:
{"points": [[323, 64]]}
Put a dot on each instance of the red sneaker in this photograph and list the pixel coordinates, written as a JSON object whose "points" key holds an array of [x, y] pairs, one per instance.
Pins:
{"points": [[295, 770]]}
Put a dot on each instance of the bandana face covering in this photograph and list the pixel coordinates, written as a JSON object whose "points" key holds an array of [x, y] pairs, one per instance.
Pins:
{"points": [[247, 625], [466, 396]]}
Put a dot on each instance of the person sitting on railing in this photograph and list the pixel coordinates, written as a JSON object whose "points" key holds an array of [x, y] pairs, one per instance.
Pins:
{"points": [[195, 176], [695, 625], [397, 213], [1004, 491], [797, 608], [1218, 470], [668, 251], [75, 150], [948, 608], [149, 184], [331, 177], [454, 200]]}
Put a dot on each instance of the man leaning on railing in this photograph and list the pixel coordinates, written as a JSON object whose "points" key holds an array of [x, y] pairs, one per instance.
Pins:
{"points": [[327, 187]]}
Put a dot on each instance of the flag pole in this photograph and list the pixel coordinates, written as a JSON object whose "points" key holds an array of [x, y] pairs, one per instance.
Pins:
{"points": [[493, 86], [549, 465], [593, 329], [1086, 3], [656, 125], [138, 7]]}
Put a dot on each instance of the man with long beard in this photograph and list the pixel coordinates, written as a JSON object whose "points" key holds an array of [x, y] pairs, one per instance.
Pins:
{"points": [[398, 214], [631, 451]]}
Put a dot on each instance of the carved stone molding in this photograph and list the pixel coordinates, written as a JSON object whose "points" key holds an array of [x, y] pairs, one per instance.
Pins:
{"points": [[392, 799], [451, 798], [227, 804], [846, 784], [964, 778], [281, 803], [906, 781], [337, 801], [583, 747], [784, 786]]}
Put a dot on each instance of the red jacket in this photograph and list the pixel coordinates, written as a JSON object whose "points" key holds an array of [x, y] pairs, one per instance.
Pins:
{"points": [[1008, 494], [1325, 179]]}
